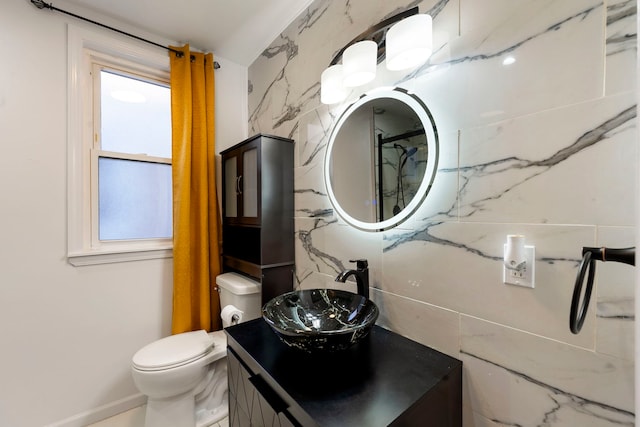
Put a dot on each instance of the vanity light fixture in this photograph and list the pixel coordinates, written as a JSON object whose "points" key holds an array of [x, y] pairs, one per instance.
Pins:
{"points": [[409, 42], [359, 63], [331, 88], [404, 39]]}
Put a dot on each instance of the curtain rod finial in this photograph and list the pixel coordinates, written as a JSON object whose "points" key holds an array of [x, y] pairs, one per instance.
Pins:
{"points": [[40, 4]]}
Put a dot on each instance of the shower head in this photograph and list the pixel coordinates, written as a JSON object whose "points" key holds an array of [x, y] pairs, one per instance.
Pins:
{"points": [[404, 150], [407, 153]]}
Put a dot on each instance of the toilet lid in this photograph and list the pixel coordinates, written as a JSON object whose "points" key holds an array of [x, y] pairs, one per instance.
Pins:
{"points": [[173, 351]]}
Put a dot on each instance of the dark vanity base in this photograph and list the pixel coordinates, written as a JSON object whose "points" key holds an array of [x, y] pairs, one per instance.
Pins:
{"points": [[386, 380]]}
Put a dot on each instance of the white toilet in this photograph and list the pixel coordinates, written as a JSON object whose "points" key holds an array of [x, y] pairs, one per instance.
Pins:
{"points": [[185, 376]]}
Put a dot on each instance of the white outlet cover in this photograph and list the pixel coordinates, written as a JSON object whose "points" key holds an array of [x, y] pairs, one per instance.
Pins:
{"points": [[525, 278]]}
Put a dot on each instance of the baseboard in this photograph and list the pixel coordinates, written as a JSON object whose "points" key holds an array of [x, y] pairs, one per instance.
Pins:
{"points": [[102, 412]]}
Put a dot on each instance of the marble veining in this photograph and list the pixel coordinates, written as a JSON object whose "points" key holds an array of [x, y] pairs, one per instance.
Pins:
{"points": [[545, 146], [312, 148], [287, 49], [621, 309], [621, 39], [537, 167], [287, 110], [315, 12], [313, 252], [556, 26], [434, 10], [503, 166], [560, 400], [434, 64]]}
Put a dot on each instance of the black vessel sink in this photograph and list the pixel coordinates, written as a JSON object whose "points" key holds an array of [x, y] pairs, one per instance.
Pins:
{"points": [[320, 319]]}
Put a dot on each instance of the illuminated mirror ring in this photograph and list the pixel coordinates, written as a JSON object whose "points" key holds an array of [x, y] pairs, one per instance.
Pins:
{"points": [[372, 159]]}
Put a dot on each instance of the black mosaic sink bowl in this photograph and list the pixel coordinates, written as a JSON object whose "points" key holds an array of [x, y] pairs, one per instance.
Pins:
{"points": [[320, 319]]}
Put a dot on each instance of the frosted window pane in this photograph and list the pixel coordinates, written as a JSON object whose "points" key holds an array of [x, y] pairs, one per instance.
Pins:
{"points": [[135, 199], [230, 192], [135, 116], [250, 183]]}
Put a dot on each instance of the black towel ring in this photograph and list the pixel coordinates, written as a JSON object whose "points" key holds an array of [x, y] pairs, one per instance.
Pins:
{"points": [[577, 319], [589, 258]]}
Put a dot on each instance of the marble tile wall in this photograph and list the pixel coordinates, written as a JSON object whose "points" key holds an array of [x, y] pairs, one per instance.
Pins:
{"points": [[545, 146]]}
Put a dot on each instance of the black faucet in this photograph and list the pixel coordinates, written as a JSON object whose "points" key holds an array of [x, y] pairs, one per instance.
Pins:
{"points": [[362, 276]]}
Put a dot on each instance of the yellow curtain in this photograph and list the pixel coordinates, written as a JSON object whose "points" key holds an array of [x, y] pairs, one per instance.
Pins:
{"points": [[196, 254]]}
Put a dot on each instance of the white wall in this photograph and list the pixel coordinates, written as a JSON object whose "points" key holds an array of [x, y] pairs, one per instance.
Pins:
{"points": [[231, 104], [67, 333]]}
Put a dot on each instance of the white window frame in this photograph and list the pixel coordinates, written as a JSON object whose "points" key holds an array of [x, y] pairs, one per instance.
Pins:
{"points": [[84, 48]]}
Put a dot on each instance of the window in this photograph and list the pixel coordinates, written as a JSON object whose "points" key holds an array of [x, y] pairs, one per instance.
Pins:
{"points": [[131, 157], [120, 201]]}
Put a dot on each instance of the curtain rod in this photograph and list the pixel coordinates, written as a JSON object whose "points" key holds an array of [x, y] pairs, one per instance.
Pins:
{"points": [[40, 4]]}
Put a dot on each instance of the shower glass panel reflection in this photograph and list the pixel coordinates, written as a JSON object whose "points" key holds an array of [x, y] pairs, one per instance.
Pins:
{"points": [[401, 156]]}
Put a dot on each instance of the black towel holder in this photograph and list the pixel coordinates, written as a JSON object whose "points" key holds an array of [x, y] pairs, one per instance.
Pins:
{"points": [[589, 257]]}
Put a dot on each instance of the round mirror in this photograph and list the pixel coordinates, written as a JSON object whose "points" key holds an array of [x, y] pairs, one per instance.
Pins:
{"points": [[381, 159]]}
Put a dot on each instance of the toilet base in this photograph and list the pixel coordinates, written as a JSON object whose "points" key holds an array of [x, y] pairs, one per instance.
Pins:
{"points": [[207, 404], [170, 412], [161, 413], [212, 403]]}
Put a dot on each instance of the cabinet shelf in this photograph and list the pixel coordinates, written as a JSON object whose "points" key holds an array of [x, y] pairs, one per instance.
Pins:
{"points": [[252, 269]]}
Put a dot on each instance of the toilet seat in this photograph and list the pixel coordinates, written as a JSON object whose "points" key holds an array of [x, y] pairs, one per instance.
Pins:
{"points": [[173, 351]]}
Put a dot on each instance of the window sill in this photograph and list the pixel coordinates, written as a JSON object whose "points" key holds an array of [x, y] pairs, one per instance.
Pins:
{"points": [[80, 259]]}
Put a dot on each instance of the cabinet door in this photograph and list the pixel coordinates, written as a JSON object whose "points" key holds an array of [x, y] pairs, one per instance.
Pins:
{"points": [[231, 186], [252, 402], [249, 180], [241, 174]]}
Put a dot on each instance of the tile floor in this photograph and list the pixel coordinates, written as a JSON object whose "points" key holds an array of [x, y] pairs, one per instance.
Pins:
{"points": [[135, 418]]}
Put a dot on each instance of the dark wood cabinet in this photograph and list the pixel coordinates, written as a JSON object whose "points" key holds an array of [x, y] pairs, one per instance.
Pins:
{"points": [[385, 380], [257, 212], [251, 401], [242, 181]]}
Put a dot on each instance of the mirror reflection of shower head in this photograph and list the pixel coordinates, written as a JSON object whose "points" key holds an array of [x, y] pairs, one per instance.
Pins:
{"points": [[404, 150], [408, 153]]}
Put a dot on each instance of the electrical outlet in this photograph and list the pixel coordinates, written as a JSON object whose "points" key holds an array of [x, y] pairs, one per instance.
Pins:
{"points": [[525, 275]]}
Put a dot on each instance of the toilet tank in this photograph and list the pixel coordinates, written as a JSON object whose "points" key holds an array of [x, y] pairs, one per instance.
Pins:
{"points": [[240, 292]]}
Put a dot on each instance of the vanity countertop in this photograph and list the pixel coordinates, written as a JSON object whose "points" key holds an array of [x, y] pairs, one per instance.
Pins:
{"points": [[386, 379]]}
